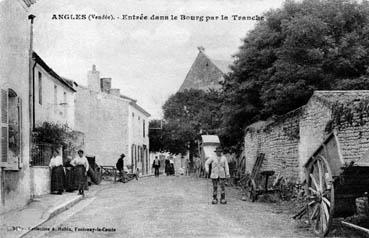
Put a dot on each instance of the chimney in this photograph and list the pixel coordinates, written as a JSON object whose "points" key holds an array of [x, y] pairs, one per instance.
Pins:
{"points": [[93, 79], [115, 92], [105, 85]]}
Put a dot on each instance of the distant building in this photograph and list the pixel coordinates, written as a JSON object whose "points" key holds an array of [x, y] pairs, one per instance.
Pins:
{"points": [[112, 123], [15, 51], [205, 73]]}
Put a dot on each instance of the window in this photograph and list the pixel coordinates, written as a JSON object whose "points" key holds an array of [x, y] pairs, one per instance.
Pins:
{"points": [[11, 129], [133, 115], [143, 128], [4, 126], [40, 88], [65, 104], [55, 95]]}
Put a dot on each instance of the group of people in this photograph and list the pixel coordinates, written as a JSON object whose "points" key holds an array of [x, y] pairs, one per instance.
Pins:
{"points": [[216, 166], [168, 169], [69, 176]]}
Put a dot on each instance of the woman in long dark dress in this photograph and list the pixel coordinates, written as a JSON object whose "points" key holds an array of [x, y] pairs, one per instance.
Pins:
{"points": [[81, 166], [70, 184], [167, 167], [57, 173]]}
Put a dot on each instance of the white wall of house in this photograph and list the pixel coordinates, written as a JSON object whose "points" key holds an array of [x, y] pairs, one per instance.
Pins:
{"points": [[103, 118], [14, 74], [112, 124], [138, 154], [54, 102], [41, 179]]}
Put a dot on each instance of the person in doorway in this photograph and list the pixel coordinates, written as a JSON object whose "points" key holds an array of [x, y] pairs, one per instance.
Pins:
{"points": [[57, 173], [219, 173], [120, 168], [156, 166], [81, 166], [138, 169]]}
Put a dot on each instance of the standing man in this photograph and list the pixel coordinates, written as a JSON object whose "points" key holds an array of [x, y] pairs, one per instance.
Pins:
{"points": [[219, 172], [120, 167], [156, 166]]}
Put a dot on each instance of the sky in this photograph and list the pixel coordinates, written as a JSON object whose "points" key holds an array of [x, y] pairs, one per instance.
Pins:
{"points": [[147, 60]]}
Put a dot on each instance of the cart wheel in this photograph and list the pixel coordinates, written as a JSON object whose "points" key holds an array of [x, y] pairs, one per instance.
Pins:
{"points": [[321, 196], [252, 193]]}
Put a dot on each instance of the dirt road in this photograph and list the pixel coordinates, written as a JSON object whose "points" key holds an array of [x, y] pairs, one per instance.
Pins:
{"points": [[169, 207]]}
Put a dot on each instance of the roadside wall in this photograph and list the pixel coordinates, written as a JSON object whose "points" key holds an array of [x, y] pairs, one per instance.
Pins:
{"points": [[312, 130], [278, 140], [348, 119], [41, 180]]}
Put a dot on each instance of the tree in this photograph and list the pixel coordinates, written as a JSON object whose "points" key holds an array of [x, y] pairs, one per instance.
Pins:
{"points": [[187, 114], [301, 47]]}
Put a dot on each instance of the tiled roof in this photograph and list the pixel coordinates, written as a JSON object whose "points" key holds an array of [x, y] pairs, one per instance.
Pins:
{"points": [[135, 105], [222, 65], [205, 73]]}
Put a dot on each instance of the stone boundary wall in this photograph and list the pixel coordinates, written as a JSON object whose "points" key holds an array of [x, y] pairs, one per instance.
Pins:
{"points": [[278, 140], [349, 121], [289, 141]]}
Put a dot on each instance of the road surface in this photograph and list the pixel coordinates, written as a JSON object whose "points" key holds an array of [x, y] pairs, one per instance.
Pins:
{"points": [[168, 207]]}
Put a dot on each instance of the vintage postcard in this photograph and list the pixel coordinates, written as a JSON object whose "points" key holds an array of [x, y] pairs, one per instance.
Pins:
{"points": [[184, 118]]}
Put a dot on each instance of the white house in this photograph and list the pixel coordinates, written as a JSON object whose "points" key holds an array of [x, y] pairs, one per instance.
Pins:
{"points": [[53, 99], [138, 137], [15, 90], [112, 123]]}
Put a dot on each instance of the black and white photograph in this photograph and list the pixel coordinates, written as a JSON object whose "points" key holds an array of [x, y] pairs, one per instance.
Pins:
{"points": [[184, 118]]}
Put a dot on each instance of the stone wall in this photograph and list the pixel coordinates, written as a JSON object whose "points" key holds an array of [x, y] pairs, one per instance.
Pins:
{"points": [[345, 116], [312, 130], [278, 140], [290, 141]]}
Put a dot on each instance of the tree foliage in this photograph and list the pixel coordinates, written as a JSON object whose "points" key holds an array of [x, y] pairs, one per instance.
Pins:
{"points": [[52, 133], [303, 46], [187, 114]]}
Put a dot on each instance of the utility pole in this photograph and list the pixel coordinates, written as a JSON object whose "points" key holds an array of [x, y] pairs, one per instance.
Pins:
{"points": [[31, 91]]}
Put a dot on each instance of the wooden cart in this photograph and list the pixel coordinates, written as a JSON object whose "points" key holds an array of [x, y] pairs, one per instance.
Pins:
{"points": [[257, 182], [332, 185]]}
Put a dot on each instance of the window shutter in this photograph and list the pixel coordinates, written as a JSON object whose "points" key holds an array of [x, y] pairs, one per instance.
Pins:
{"points": [[4, 127]]}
